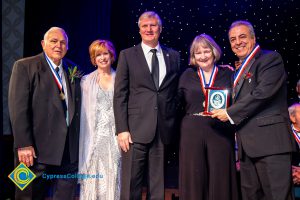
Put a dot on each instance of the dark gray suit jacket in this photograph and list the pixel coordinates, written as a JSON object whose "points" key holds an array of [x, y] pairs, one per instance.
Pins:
{"points": [[36, 110], [260, 107], [139, 107]]}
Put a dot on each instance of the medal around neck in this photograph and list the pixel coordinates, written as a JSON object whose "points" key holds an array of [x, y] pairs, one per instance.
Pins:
{"points": [[62, 96], [215, 98]]}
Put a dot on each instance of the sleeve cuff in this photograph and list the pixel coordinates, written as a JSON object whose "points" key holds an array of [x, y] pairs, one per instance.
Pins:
{"points": [[229, 118]]}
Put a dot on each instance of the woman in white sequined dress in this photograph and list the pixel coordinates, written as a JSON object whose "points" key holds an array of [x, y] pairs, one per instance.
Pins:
{"points": [[99, 154]]}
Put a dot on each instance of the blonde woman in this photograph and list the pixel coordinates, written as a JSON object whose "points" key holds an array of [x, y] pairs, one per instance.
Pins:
{"points": [[99, 155], [206, 159]]}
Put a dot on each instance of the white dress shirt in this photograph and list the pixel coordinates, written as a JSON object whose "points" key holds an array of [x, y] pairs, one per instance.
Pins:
{"points": [[162, 65]]}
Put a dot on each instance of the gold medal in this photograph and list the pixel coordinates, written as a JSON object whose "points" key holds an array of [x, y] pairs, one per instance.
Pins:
{"points": [[62, 95]]}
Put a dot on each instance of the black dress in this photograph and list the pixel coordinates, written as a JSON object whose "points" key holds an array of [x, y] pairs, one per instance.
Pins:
{"points": [[206, 159]]}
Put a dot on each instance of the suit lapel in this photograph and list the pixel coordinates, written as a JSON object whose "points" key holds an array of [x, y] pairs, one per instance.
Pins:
{"points": [[71, 93], [143, 65], [171, 72], [242, 79], [48, 79], [239, 84], [168, 66]]}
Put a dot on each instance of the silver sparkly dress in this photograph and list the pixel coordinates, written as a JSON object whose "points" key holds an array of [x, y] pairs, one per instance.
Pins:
{"points": [[99, 156]]}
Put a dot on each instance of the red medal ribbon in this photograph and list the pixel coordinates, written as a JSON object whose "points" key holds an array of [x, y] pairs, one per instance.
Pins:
{"points": [[296, 136], [211, 79], [241, 70]]}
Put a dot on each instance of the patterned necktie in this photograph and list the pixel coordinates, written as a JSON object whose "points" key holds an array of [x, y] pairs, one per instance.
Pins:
{"points": [[155, 68], [57, 70], [64, 102], [60, 74]]}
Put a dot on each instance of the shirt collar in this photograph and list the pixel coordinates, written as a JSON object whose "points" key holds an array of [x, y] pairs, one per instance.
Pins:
{"points": [[298, 131], [53, 64], [146, 48]]}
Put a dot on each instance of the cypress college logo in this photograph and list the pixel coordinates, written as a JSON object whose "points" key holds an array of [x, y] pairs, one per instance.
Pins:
{"points": [[22, 176]]}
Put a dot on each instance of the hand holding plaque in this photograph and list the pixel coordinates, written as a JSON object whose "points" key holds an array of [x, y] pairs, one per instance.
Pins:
{"points": [[215, 98]]}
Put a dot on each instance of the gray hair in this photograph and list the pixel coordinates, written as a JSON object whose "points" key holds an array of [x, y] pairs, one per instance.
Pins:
{"points": [[206, 41], [150, 14], [292, 109], [53, 29], [244, 23]]}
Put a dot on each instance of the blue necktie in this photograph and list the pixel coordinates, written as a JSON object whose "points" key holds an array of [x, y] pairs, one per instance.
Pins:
{"points": [[64, 102]]}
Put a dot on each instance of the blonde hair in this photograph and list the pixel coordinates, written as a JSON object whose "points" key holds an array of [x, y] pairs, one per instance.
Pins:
{"points": [[99, 46], [150, 14], [206, 41]]}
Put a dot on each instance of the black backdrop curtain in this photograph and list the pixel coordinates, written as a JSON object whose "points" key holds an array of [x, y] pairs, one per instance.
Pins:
{"points": [[276, 24], [84, 21]]}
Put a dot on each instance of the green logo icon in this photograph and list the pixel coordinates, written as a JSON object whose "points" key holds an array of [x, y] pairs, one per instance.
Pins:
{"points": [[22, 176]]}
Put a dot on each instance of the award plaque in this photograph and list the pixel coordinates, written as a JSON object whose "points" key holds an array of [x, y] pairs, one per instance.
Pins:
{"points": [[215, 98]]}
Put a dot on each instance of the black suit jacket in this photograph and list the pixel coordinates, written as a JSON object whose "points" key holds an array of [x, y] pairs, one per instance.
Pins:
{"points": [[36, 110], [139, 107], [260, 107]]}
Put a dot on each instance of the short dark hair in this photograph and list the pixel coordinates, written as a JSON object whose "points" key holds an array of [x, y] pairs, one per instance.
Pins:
{"points": [[244, 23]]}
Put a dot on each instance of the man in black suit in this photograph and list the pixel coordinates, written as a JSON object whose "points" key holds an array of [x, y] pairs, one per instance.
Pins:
{"points": [[144, 106], [294, 111], [44, 111], [259, 112]]}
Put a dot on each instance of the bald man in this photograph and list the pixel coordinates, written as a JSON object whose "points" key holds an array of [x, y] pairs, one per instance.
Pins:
{"points": [[43, 107]]}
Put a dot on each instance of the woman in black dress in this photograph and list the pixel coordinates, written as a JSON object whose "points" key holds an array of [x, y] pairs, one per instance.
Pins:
{"points": [[206, 159]]}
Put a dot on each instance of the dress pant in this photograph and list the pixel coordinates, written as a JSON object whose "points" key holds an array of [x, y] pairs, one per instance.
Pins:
{"points": [[266, 178], [63, 189], [141, 158]]}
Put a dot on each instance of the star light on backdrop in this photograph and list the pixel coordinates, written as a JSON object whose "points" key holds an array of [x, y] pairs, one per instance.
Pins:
{"points": [[275, 23]]}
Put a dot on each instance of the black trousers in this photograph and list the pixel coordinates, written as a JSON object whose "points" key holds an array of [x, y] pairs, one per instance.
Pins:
{"points": [[266, 178], [141, 158], [206, 161], [63, 188]]}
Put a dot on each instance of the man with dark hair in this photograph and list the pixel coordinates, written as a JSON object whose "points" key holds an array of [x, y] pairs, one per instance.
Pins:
{"points": [[259, 111]]}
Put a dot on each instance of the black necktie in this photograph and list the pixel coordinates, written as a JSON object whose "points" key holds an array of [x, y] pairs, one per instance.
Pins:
{"points": [[155, 68]]}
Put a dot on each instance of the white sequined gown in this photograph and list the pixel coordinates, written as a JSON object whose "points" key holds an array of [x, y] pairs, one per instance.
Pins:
{"points": [[99, 151]]}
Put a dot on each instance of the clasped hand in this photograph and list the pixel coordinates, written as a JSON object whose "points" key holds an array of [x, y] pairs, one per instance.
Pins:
{"points": [[220, 114]]}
